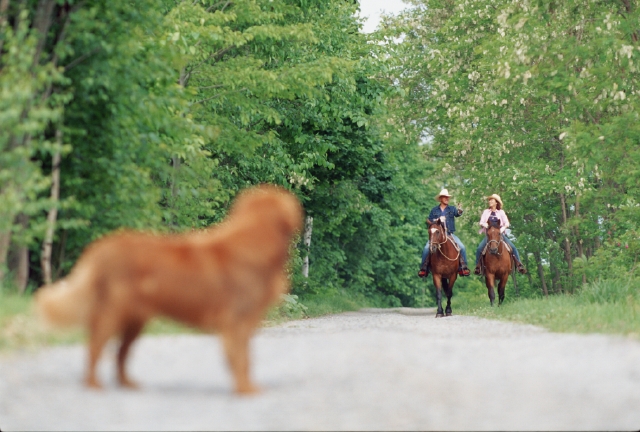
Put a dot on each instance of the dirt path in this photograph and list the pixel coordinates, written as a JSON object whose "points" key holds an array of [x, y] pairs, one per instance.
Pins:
{"points": [[399, 369]]}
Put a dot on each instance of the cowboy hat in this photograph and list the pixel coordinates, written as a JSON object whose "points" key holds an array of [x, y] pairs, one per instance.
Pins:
{"points": [[497, 198], [443, 192]]}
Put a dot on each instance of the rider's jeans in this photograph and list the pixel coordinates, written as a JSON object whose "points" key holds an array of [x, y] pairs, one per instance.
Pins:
{"points": [[483, 243], [463, 250]]}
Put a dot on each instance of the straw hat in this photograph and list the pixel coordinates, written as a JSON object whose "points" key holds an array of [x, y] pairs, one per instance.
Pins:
{"points": [[443, 192], [497, 198]]}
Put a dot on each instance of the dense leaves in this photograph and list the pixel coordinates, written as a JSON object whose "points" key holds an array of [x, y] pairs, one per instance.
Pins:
{"points": [[537, 101], [162, 111]]}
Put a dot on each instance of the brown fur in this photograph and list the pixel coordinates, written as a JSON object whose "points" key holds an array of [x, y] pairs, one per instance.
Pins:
{"points": [[443, 263], [222, 279], [497, 265]]}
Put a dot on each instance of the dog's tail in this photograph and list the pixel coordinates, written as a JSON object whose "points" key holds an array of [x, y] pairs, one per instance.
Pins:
{"points": [[67, 302]]}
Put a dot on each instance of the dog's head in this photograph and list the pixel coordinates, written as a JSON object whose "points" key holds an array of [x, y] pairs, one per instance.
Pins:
{"points": [[269, 206]]}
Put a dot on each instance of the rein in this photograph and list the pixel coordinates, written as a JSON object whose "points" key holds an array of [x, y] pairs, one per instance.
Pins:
{"points": [[439, 245], [497, 247]]}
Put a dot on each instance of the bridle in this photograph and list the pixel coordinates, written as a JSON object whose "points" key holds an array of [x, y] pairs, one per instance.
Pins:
{"points": [[439, 245], [499, 242]]}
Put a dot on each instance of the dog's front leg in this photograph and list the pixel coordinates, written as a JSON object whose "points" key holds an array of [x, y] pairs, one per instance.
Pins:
{"points": [[236, 346]]}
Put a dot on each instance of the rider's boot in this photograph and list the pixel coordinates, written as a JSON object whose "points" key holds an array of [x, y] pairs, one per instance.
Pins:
{"points": [[478, 270], [463, 270], [424, 271], [519, 266]]}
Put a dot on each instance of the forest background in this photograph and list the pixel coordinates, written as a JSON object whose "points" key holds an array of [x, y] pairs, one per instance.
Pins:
{"points": [[154, 114]]}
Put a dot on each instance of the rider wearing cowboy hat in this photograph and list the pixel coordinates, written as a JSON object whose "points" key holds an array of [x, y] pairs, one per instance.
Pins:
{"points": [[449, 212], [495, 213]]}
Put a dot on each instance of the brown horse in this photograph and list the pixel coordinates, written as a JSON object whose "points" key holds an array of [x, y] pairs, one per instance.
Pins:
{"points": [[497, 262], [443, 260]]}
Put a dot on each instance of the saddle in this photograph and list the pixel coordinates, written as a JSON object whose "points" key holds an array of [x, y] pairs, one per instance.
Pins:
{"points": [[506, 245]]}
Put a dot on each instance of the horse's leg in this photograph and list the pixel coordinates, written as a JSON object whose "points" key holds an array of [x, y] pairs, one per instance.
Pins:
{"points": [[437, 281], [503, 283], [490, 279], [449, 293]]}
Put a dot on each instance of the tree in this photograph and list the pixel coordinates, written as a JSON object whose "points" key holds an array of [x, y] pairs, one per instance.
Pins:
{"points": [[530, 100]]}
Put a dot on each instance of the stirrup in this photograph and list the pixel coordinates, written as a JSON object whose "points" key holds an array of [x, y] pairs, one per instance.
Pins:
{"points": [[478, 270], [464, 271], [424, 272], [521, 269]]}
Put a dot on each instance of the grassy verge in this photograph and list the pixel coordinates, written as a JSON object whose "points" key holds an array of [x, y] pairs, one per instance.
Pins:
{"points": [[610, 306], [21, 329], [315, 305]]}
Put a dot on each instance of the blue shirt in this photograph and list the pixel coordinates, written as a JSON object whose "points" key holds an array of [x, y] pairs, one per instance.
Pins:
{"points": [[449, 212]]}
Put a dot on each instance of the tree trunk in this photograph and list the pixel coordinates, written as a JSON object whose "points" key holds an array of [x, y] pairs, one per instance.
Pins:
{"points": [[63, 244], [4, 6], [579, 241], [42, 23], [541, 273], [20, 264], [556, 286], [175, 162], [567, 244], [308, 228], [5, 241], [525, 255], [47, 245]]}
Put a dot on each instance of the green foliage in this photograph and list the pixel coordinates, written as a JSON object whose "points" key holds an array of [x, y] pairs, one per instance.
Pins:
{"points": [[536, 101], [288, 308], [611, 291], [167, 109]]}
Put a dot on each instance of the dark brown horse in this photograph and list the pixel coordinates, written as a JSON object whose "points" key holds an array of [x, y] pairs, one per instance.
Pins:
{"points": [[497, 262], [443, 260]]}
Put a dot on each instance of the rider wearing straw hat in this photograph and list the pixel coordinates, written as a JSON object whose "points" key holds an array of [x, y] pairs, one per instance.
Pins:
{"points": [[495, 213], [449, 212]]}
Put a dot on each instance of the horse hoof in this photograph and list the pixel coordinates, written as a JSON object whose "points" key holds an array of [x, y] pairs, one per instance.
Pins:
{"points": [[449, 313], [439, 315]]}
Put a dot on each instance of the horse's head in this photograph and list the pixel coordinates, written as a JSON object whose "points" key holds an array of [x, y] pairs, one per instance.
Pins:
{"points": [[494, 236], [437, 233]]}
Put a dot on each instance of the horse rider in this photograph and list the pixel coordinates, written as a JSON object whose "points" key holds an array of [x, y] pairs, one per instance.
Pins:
{"points": [[494, 214], [449, 212]]}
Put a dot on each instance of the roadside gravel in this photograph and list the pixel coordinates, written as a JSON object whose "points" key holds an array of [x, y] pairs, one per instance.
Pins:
{"points": [[372, 369]]}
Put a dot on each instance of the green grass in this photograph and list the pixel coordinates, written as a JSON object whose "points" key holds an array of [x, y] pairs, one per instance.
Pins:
{"points": [[315, 305], [20, 328], [610, 306], [327, 304]]}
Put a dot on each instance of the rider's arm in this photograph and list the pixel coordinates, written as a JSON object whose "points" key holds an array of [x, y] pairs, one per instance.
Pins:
{"points": [[433, 216], [504, 221], [457, 211], [484, 218]]}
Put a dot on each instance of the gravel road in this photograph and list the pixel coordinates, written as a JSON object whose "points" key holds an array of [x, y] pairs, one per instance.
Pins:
{"points": [[373, 369]]}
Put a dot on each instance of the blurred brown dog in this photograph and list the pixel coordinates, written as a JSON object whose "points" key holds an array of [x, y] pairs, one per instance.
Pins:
{"points": [[222, 279]]}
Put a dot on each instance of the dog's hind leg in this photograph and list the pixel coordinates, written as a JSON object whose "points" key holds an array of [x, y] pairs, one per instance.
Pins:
{"points": [[236, 345], [130, 333], [101, 328]]}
